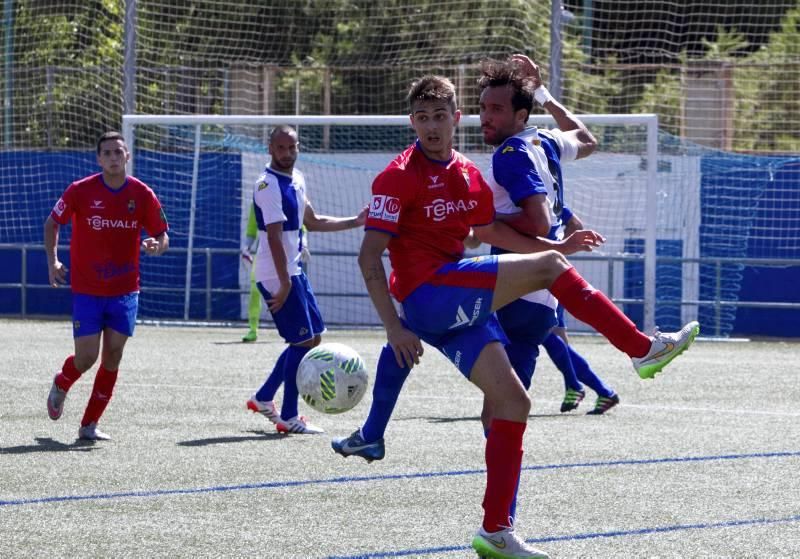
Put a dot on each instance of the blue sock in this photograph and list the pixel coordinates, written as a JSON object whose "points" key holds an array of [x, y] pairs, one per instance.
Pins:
{"points": [[389, 379], [294, 353], [267, 391], [587, 376], [558, 351]]}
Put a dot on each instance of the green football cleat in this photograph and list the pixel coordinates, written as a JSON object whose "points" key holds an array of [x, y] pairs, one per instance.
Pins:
{"points": [[250, 337], [572, 398]]}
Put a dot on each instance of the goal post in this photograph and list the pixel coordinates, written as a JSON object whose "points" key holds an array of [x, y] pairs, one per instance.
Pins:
{"points": [[204, 167]]}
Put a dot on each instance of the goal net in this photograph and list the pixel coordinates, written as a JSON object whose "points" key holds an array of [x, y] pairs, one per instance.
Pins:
{"points": [[204, 169], [721, 75]]}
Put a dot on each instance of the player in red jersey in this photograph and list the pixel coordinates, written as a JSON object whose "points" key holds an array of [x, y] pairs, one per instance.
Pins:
{"points": [[423, 206], [107, 210]]}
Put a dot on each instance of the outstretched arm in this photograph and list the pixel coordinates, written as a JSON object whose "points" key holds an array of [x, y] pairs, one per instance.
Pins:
{"points": [[503, 236], [314, 222]]}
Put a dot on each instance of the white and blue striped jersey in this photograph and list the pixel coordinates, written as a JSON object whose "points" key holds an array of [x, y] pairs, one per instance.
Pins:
{"points": [[279, 198], [526, 164]]}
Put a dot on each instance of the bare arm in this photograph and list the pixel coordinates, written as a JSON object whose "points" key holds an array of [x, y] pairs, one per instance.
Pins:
{"points": [[574, 224], [276, 250], [472, 241], [56, 271], [567, 122], [326, 223], [503, 236], [406, 345], [534, 220]]}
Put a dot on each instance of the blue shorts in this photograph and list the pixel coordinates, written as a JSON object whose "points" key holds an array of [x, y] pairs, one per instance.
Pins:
{"points": [[527, 325], [91, 313], [452, 311], [299, 319], [562, 322]]}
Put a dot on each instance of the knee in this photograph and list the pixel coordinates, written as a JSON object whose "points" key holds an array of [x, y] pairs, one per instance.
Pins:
{"points": [[84, 361], [313, 342], [556, 260], [112, 358], [555, 264]]}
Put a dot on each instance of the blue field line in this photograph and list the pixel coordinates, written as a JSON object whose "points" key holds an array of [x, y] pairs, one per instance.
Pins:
{"points": [[586, 536], [386, 477]]}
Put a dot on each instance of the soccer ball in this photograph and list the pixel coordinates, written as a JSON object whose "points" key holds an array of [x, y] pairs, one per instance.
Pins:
{"points": [[332, 378]]}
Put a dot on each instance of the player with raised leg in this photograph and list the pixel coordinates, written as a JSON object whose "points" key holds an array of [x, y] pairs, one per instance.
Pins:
{"points": [[423, 206], [526, 177], [282, 208], [108, 211]]}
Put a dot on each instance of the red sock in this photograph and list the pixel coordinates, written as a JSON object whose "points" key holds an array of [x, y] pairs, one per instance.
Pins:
{"points": [[595, 309], [68, 375], [503, 463], [101, 395]]}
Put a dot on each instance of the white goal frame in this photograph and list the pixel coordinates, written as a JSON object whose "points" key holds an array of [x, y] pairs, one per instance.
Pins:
{"points": [[650, 121]]}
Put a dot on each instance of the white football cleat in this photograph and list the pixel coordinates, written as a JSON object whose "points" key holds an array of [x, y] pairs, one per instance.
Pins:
{"points": [[92, 433], [664, 348], [267, 409]]}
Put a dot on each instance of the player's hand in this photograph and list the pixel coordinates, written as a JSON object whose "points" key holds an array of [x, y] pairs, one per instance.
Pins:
{"points": [[247, 258], [528, 68], [151, 246], [584, 240], [406, 345], [57, 274], [279, 297], [361, 218]]}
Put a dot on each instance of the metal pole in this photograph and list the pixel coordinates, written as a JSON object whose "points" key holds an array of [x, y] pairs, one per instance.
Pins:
{"points": [[24, 280], [718, 300], [8, 73], [192, 209], [127, 133], [555, 49], [209, 271], [651, 209], [129, 63], [588, 24]]}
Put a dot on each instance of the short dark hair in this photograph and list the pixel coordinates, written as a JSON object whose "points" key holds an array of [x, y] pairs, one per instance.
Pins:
{"points": [[282, 129], [432, 88], [110, 135], [496, 73]]}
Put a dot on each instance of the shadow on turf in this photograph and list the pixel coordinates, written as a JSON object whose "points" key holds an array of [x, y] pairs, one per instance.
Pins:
{"points": [[46, 444], [257, 436], [476, 418]]}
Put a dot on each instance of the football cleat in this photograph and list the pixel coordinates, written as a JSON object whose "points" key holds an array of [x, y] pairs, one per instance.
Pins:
{"points": [[504, 544], [298, 425], [355, 445], [572, 398], [267, 409], [603, 404], [251, 336], [55, 401], [90, 432], [664, 348]]}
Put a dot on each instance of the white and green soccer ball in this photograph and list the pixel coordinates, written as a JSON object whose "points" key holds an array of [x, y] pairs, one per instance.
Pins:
{"points": [[332, 378]]}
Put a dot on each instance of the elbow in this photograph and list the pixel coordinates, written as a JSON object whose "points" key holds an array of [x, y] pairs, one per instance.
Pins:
{"points": [[588, 144]]}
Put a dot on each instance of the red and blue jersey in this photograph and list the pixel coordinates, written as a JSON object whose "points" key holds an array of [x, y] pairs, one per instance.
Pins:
{"points": [[428, 207], [106, 230]]}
